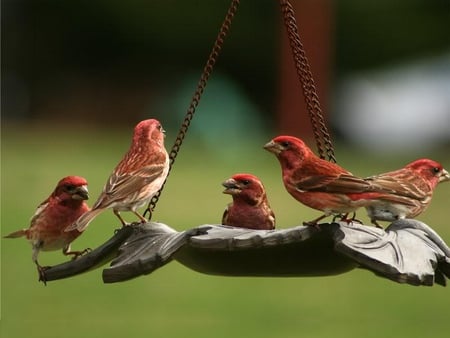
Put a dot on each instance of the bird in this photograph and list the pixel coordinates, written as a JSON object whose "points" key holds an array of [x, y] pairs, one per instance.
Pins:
{"points": [[317, 183], [137, 177], [250, 207], [63, 207], [406, 192]]}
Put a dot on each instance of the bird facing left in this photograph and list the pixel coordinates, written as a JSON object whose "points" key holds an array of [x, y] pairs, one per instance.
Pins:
{"points": [[250, 208], [63, 207], [317, 183], [136, 178]]}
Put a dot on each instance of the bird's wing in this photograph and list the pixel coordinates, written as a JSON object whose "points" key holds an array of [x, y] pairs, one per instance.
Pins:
{"points": [[39, 210], [225, 216], [399, 183], [343, 183], [122, 185], [398, 199]]}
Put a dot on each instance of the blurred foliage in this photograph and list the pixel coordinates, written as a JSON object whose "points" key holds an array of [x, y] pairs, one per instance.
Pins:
{"points": [[57, 53], [56, 45], [175, 301], [373, 34]]}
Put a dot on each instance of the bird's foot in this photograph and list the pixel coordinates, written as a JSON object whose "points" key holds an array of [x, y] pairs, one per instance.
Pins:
{"points": [[41, 273], [142, 219], [312, 224], [77, 254], [352, 219], [340, 216]]}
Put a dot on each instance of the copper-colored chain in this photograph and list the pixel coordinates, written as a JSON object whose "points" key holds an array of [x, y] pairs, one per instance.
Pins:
{"points": [[320, 130], [207, 70]]}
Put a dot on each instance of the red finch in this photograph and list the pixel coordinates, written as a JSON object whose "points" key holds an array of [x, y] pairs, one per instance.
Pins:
{"points": [[315, 182], [250, 208], [137, 177], [408, 190], [63, 207]]}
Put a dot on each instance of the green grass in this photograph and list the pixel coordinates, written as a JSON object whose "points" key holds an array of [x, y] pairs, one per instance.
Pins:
{"points": [[175, 301]]}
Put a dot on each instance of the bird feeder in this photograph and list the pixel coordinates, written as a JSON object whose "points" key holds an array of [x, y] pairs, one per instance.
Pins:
{"points": [[407, 251]]}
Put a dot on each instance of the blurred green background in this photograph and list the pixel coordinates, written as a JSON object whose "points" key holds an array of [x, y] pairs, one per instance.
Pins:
{"points": [[175, 301], [77, 76]]}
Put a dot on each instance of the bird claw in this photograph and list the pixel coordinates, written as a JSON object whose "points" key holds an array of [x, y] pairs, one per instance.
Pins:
{"points": [[77, 254], [41, 273], [342, 217], [347, 220], [312, 224]]}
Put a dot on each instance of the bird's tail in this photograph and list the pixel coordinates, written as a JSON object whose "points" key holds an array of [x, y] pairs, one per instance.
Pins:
{"points": [[83, 221], [17, 234]]}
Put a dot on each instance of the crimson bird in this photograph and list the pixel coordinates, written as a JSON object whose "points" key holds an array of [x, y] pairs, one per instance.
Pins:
{"points": [[317, 183], [408, 191], [63, 207], [250, 207], [137, 177]]}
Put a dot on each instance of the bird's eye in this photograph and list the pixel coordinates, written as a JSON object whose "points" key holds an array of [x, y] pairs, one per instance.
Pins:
{"points": [[245, 182], [69, 187], [436, 170], [285, 144]]}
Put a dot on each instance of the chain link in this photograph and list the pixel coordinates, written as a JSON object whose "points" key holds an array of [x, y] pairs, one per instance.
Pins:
{"points": [[320, 130], [207, 70]]}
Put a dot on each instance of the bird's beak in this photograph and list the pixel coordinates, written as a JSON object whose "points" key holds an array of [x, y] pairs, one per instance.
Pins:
{"points": [[272, 147], [231, 187], [81, 193], [445, 176]]}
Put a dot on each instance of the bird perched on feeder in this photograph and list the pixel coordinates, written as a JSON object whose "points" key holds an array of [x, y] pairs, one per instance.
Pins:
{"points": [[136, 179], [63, 207], [408, 191], [250, 207], [317, 183]]}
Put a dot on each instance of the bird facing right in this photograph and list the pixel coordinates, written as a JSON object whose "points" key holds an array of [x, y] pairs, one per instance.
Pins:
{"points": [[407, 191], [136, 179], [63, 207]]}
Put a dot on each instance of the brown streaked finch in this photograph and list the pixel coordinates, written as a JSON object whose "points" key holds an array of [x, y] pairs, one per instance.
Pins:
{"points": [[63, 207], [317, 183], [408, 190], [136, 179], [250, 207]]}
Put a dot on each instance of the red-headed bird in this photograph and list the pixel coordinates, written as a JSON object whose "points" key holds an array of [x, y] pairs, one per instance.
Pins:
{"points": [[250, 207], [409, 190], [136, 179], [63, 207], [317, 183]]}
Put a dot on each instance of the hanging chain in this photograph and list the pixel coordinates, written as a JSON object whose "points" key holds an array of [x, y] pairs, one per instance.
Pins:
{"points": [[320, 130], [321, 134], [207, 70]]}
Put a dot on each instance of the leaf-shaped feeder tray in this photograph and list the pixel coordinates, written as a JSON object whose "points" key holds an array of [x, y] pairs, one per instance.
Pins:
{"points": [[408, 251], [300, 251]]}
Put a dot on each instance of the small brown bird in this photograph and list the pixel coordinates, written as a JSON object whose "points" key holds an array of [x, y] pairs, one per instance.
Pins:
{"points": [[137, 177], [250, 207], [63, 207], [407, 191]]}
